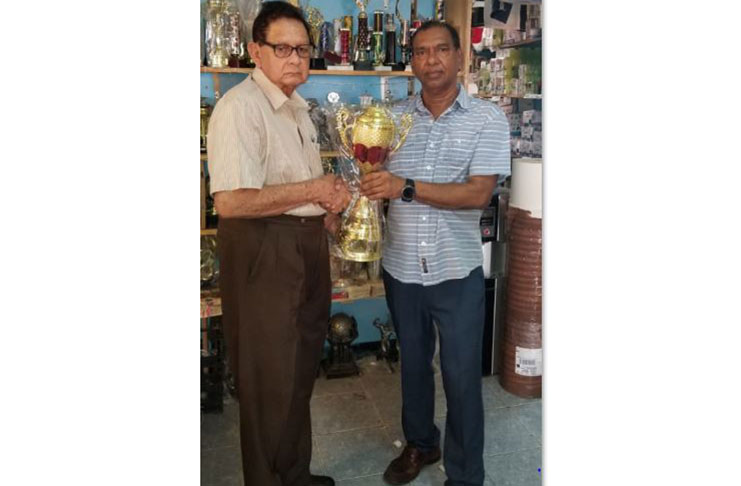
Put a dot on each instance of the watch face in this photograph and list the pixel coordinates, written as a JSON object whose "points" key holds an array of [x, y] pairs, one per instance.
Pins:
{"points": [[407, 193]]}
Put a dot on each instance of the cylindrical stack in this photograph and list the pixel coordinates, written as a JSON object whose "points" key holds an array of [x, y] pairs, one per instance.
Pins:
{"points": [[522, 350]]}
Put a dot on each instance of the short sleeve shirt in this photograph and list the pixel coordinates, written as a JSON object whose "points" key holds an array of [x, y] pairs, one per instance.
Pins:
{"points": [[428, 245], [258, 136]]}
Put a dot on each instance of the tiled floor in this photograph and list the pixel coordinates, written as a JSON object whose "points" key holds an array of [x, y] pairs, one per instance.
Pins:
{"points": [[357, 423]]}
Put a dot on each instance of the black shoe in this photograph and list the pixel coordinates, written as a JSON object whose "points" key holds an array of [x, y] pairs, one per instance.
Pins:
{"points": [[407, 466], [321, 481]]}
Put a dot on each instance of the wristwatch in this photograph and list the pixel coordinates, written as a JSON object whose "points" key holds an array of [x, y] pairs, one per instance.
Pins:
{"points": [[407, 193]]}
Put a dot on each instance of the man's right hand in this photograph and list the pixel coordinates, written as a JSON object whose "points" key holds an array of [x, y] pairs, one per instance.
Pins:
{"points": [[332, 194]]}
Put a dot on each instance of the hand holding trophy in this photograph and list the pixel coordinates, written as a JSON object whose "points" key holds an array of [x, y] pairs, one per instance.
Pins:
{"points": [[365, 137]]}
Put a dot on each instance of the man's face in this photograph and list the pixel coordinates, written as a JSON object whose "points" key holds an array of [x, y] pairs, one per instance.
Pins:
{"points": [[435, 61], [289, 72]]}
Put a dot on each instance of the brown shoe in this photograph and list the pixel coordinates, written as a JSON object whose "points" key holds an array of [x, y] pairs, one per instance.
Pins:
{"points": [[407, 466]]}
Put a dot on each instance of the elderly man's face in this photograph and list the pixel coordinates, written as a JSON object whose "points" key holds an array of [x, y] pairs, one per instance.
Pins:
{"points": [[435, 61], [289, 72]]}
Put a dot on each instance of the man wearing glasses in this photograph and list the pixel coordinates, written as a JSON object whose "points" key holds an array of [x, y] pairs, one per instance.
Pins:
{"points": [[437, 183], [274, 203]]}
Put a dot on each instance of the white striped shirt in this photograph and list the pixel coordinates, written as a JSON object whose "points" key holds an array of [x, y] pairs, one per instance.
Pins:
{"points": [[257, 136], [427, 245]]}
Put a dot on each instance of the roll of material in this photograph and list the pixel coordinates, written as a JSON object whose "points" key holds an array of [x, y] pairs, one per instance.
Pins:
{"points": [[527, 186], [522, 350]]}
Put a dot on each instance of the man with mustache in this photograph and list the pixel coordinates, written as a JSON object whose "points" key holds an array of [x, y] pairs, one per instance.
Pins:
{"points": [[436, 184]]}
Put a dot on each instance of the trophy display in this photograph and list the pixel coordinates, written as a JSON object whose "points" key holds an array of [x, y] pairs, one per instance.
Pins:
{"points": [[315, 19], [403, 37], [390, 56], [365, 137], [343, 330], [217, 55], [377, 39], [205, 117], [389, 350], [362, 60]]}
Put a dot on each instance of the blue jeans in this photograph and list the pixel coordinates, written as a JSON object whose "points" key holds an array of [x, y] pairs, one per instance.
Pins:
{"points": [[457, 306]]}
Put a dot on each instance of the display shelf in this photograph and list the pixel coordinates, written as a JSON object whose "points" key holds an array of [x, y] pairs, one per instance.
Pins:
{"points": [[208, 232], [204, 156], [528, 96], [525, 43], [317, 72]]}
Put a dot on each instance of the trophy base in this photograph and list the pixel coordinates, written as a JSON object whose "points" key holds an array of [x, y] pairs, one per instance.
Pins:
{"points": [[363, 65], [340, 370], [399, 66], [317, 63]]}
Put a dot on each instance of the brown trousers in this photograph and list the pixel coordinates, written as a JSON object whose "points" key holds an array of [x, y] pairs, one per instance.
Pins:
{"points": [[275, 296]]}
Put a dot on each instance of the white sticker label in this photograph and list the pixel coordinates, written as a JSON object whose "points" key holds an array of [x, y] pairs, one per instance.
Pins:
{"points": [[528, 362]]}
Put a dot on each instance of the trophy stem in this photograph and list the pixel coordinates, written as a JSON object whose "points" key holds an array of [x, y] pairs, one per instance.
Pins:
{"points": [[360, 236]]}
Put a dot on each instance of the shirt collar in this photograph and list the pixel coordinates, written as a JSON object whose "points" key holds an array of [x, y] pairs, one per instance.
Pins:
{"points": [[463, 100], [275, 96]]}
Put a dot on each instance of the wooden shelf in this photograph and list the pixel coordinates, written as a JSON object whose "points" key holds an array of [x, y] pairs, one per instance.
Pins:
{"points": [[208, 232], [204, 156], [525, 43], [317, 72]]}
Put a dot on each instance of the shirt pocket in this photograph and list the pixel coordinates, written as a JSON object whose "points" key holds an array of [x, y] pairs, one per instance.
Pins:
{"points": [[456, 152]]}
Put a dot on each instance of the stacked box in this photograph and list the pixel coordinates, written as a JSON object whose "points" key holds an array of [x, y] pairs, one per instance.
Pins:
{"points": [[529, 143]]}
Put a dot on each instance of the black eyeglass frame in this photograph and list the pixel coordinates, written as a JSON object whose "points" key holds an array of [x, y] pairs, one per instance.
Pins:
{"points": [[293, 48]]}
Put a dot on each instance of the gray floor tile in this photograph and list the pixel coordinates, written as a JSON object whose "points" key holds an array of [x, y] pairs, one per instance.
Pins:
{"points": [[497, 397], [221, 429], [375, 480], [323, 386], [352, 454], [221, 467], [516, 469], [504, 432], [531, 416], [347, 411]]}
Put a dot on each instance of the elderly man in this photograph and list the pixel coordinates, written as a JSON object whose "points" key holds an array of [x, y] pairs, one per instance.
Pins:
{"points": [[272, 196], [437, 184]]}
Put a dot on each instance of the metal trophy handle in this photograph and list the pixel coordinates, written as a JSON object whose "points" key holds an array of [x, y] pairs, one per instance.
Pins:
{"points": [[343, 127], [405, 124]]}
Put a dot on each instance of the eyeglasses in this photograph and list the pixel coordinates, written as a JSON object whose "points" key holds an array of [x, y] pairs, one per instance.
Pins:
{"points": [[442, 51], [284, 50]]}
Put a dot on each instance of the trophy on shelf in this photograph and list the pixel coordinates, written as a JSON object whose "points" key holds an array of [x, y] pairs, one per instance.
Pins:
{"points": [[365, 137], [315, 19], [362, 41], [377, 39]]}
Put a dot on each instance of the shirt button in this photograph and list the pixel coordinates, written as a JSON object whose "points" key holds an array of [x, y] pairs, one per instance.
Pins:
{"points": [[424, 218], [429, 167], [423, 244]]}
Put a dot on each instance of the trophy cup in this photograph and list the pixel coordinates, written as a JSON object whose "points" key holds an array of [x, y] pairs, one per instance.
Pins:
{"points": [[315, 19], [366, 138], [362, 41]]}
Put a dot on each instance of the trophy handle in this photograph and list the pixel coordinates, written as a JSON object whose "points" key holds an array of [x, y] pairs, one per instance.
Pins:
{"points": [[343, 126], [404, 126]]}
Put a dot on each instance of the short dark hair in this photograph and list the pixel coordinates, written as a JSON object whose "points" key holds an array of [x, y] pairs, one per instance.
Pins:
{"points": [[431, 24], [272, 11]]}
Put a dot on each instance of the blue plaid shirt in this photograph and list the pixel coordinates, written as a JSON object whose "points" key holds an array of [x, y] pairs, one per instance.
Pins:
{"points": [[427, 245]]}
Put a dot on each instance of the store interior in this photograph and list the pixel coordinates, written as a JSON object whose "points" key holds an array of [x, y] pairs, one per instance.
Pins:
{"points": [[356, 405]]}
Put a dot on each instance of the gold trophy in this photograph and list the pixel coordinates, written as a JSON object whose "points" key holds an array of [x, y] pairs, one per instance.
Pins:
{"points": [[367, 139]]}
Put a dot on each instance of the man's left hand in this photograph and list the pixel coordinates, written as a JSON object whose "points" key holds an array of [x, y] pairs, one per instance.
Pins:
{"points": [[381, 185]]}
